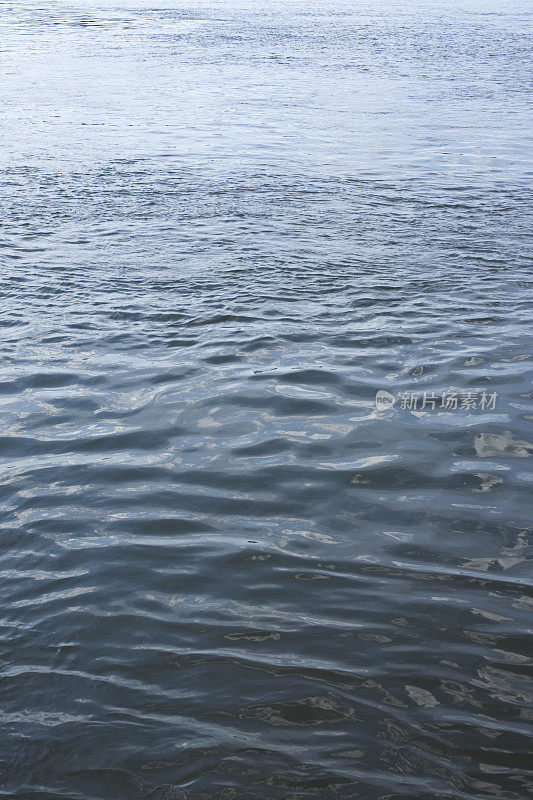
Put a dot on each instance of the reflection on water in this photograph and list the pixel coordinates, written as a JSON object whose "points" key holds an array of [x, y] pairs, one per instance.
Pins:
{"points": [[226, 573]]}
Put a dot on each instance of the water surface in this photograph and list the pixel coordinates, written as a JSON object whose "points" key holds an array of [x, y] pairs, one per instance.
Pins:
{"points": [[224, 227]]}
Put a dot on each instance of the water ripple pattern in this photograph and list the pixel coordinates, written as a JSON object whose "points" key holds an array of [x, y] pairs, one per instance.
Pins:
{"points": [[226, 573]]}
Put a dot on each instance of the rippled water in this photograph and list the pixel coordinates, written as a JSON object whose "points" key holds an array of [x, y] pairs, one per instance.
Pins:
{"points": [[225, 572]]}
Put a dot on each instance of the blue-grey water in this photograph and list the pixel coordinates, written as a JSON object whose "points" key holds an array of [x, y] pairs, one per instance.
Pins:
{"points": [[226, 574]]}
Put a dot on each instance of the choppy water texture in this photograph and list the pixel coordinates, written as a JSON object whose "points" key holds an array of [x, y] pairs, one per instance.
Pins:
{"points": [[225, 574]]}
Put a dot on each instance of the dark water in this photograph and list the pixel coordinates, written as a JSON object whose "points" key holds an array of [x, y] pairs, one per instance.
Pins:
{"points": [[225, 572]]}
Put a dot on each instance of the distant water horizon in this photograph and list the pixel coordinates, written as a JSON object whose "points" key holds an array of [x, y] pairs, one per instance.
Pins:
{"points": [[266, 400]]}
